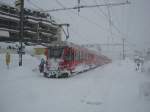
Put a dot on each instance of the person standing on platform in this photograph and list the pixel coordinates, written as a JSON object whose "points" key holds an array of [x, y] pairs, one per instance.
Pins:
{"points": [[7, 59]]}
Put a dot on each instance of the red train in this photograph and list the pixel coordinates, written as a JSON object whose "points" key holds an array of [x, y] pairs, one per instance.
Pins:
{"points": [[65, 59]]}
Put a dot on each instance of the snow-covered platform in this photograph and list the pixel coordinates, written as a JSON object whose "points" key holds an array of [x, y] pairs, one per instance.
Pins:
{"points": [[115, 87]]}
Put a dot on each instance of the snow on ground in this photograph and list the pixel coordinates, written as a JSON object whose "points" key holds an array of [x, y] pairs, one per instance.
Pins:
{"points": [[115, 87], [147, 67]]}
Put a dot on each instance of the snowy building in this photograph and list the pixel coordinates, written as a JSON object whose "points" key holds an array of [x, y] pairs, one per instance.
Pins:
{"points": [[38, 27]]}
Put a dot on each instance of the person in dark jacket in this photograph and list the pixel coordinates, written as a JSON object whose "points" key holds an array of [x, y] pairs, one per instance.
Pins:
{"points": [[41, 66]]}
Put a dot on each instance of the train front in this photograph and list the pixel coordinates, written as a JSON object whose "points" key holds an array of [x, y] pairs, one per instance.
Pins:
{"points": [[53, 66]]}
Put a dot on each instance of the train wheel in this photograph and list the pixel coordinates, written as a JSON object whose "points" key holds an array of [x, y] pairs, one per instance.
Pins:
{"points": [[46, 75], [65, 75]]}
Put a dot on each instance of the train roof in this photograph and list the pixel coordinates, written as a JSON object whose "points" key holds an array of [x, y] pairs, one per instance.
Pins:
{"points": [[72, 45], [63, 44]]}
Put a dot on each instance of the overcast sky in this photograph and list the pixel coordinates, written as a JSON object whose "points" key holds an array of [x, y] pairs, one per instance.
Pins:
{"points": [[92, 26]]}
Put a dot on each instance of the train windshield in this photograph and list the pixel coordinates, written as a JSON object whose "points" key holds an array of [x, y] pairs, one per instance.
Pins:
{"points": [[55, 52]]}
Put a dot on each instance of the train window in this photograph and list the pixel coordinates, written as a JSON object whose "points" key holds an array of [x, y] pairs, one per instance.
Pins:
{"points": [[81, 55], [77, 56], [85, 56], [72, 54], [89, 56], [69, 55], [55, 52]]}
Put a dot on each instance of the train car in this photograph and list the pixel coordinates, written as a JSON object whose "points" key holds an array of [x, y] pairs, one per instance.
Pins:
{"points": [[65, 59]]}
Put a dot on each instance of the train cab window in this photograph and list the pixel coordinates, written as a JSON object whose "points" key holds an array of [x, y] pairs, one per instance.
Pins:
{"points": [[55, 52]]}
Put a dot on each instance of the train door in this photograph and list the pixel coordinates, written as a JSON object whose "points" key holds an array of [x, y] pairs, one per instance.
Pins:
{"points": [[69, 58], [72, 63]]}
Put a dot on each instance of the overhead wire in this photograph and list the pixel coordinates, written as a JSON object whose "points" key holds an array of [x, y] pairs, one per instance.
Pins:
{"points": [[128, 26], [107, 17], [85, 18], [78, 16], [112, 22], [59, 3], [85, 6], [73, 30], [36, 6], [88, 20], [114, 26], [109, 20], [93, 10]]}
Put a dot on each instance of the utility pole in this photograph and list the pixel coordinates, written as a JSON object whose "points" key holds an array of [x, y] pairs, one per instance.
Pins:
{"points": [[110, 25], [38, 33], [123, 48], [110, 20], [78, 6], [20, 5]]}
